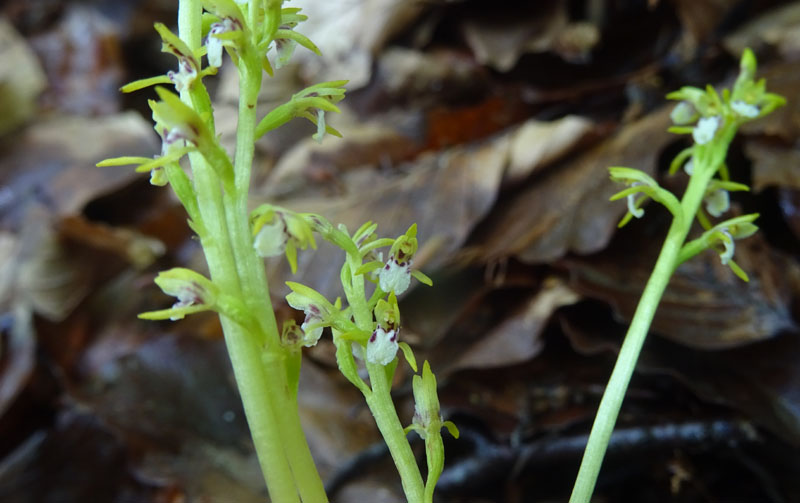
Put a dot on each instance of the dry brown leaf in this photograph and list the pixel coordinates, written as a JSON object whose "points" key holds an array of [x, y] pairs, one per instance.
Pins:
{"points": [[499, 40], [54, 161], [778, 28], [773, 165], [705, 305], [700, 18], [517, 339], [536, 144], [566, 208], [351, 36], [21, 79]]}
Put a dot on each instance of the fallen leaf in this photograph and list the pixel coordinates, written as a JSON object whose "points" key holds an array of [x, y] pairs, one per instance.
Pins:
{"points": [[566, 207], [518, 338], [705, 305]]}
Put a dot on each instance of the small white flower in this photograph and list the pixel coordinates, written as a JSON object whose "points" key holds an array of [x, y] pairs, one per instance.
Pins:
{"points": [[705, 130], [314, 316], [745, 109], [395, 276], [172, 137], [382, 346], [185, 75], [718, 202], [187, 293], [284, 49], [271, 238], [689, 167], [682, 114], [320, 134], [727, 255], [636, 212], [214, 44]]}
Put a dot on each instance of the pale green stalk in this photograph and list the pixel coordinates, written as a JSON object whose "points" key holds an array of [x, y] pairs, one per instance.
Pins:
{"points": [[270, 409], [705, 168], [380, 401]]}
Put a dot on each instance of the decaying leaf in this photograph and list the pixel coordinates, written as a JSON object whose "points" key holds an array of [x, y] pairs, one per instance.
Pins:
{"points": [[21, 79], [566, 208], [705, 305], [778, 29], [518, 338]]}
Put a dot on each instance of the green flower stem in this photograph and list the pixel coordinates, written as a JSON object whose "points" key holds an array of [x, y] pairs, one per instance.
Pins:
{"points": [[382, 407], [379, 399], [256, 290], [270, 409], [708, 158]]}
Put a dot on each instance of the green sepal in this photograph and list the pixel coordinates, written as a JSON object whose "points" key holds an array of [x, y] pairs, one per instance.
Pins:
{"points": [[123, 161], [376, 243], [680, 159], [409, 355], [136, 85], [184, 284], [422, 277], [175, 46], [311, 294], [329, 233], [225, 9], [175, 113], [347, 364], [173, 313], [647, 185], [738, 227], [172, 157], [680, 129], [300, 39], [368, 267], [452, 428], [738, 271]]}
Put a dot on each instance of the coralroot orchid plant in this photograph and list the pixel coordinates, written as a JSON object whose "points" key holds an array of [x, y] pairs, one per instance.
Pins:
{"points": [[214, 191], [712, 121]]}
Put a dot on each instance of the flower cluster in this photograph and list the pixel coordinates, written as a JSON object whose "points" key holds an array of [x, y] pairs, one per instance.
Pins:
{"points": [[712, 119], [277, 231]]}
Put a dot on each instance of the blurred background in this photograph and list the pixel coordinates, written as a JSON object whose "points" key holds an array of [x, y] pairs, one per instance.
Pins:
{"points": [[489, 124]]}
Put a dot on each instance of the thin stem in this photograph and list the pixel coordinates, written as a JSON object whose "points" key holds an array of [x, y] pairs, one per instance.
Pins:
{"points": [[256, 290], [380, 399], [706, 165], [382, 407]]}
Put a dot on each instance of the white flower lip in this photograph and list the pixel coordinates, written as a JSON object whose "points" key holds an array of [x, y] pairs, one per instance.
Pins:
{"points": [[395, 277], [745, 109], [705, 130], [718, 202], [272, 238], [727, 255], [382, 346], [214, 44], [689, 167], [682, 114], [313, 317], [185, 75], [636, 212]]}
